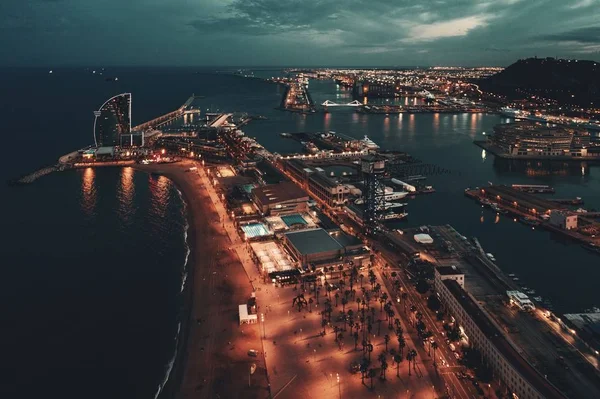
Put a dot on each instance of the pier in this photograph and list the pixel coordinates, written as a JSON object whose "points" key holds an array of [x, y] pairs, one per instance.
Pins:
{"points": [[535, 211]]}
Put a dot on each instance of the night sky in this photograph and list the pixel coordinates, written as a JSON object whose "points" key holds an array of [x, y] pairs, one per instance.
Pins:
{"points": [[295, 32]]}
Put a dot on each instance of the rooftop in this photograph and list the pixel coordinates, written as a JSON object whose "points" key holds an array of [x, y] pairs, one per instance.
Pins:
{"points": [[543, 386], [313, 241], [323, 180], [448, 270], [281, 192], [345, 240]]}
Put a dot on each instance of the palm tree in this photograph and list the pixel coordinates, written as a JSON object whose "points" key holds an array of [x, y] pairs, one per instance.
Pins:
{"points": [[355, 335], [401, 344], [372, 373], [390, 317], [344, 302], [434, 346], [358, 304], [335, 332], [310, 302], [404, 298], [397, 359], [323, 324], [384, 365], [361, 277], [409, 358], [350, 319], [340, 339], [364, 369], [370, 349], [386, 338], [337, 295]]}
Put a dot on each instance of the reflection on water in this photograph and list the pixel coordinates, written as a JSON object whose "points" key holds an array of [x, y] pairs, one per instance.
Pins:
{"points": [[541, 168], [483, 155], [125, 193], [327, 120], [411, 123], [436, 123], [88, 191], [386, 126], [159, 195]]}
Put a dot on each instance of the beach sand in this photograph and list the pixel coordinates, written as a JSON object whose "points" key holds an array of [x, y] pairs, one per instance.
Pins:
{"points": [[213, 360]]}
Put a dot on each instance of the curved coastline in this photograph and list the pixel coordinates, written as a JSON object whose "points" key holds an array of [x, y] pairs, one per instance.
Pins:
{"points": [[174, 377]]}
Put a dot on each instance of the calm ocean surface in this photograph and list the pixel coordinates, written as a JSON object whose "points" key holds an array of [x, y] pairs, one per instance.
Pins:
{"points": [[93, 260]]}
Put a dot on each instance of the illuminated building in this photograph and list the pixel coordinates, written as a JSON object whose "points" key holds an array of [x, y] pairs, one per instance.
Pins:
{"points": [[112, 123]]}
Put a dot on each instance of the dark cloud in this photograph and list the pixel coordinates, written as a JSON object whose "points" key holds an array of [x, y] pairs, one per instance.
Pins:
{"points": [[284, 32], [582, 35]]}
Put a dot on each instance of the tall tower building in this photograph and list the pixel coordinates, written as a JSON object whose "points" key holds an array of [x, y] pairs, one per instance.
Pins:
{"points": [[372, 168]]}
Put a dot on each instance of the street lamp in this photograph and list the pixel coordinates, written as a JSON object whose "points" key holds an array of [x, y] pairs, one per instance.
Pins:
{"points": [[339, 388], [262, 319]]}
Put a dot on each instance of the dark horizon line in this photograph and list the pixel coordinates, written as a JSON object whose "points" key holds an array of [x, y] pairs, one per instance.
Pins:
{"points": [[280, 66]]}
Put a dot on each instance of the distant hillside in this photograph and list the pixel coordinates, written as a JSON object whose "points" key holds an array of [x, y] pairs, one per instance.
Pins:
{"points": [[568, 81]]}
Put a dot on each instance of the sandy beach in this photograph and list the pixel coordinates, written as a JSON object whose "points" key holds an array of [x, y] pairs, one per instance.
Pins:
{"points": [[213, 359]]}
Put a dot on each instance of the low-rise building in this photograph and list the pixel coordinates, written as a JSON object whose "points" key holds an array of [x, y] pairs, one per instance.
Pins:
{"points": [[280, 199], [563, 219], [448, 273], [324, 248], [520, 300], [500, 354], [317, 183]]}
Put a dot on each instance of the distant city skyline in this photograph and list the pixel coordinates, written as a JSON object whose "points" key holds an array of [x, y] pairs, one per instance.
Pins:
{"points": [[366, 33]]}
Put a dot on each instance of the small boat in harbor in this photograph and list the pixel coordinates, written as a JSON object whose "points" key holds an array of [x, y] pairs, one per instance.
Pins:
{"points": [[511, 275], [515, 279], [490, 257], [538, 298]]}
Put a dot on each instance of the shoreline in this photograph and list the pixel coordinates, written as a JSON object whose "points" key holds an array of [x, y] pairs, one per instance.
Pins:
{"points": [[174, 379], [212, 348]]}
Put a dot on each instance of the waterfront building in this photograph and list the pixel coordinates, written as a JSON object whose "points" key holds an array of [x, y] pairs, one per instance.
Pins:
{"points": [[500, 354], [563, 219], [521, 300], [535, 140], [317, 183], [112, 123], [448, 273], [280, 199]]}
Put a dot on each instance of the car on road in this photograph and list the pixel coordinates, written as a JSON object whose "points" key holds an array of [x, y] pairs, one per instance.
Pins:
{"points": [[355, 367], [253, 353], [456, 355]]}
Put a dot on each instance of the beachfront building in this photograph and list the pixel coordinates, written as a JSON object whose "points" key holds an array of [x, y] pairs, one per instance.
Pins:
{"points": [[112, 123]]}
